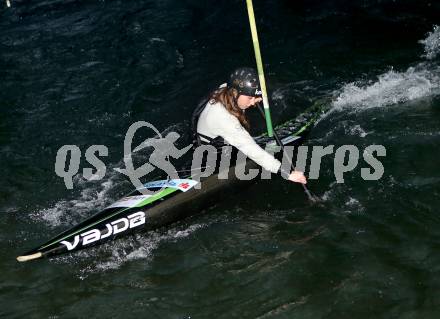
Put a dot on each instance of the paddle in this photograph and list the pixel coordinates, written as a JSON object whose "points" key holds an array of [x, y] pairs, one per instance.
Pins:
{"points": [[313, 198], [266, 113]]}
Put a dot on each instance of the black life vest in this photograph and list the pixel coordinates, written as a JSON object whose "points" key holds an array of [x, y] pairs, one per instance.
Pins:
{"points": [[218, 142]]}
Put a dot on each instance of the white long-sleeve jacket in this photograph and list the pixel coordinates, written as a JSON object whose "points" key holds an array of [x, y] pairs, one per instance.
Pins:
{"points": [[215, 121]]}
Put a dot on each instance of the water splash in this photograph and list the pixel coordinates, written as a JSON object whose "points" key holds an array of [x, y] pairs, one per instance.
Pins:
{"points": [[357, 130], [66, 212], [391, 88], [115, 254], [432, 43], [353, 206]]}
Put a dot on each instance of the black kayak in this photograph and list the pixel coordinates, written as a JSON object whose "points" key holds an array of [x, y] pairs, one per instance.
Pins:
{"points": [[171, 200]]}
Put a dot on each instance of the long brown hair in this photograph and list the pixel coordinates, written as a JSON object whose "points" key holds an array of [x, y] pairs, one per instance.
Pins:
{"points": [[228, 97]]}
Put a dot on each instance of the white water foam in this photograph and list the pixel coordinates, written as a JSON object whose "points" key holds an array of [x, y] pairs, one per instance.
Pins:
{"points": [[94, 196], [116, 253], [65, 212], [337, 192], [357, 130], [341, 127], [432, 43], [391, 88], [353, 206], [331, 193]]}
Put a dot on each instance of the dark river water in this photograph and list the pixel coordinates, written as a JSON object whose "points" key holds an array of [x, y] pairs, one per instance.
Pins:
{"points": [[81, 72]]}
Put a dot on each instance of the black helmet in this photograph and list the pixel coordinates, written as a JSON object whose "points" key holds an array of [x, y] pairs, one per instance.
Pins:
{"points": [[245, 81]]}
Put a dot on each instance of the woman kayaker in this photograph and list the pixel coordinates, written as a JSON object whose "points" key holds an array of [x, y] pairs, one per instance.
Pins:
{"points": [[222, 120]]}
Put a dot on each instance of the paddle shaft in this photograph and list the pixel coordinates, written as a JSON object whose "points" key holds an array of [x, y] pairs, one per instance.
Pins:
{"points": [[278, 140]]}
